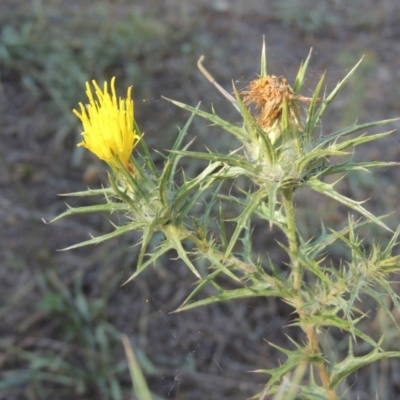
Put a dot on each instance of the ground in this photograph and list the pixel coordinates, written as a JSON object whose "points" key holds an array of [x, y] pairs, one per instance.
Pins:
{"points": [[62, 312]]}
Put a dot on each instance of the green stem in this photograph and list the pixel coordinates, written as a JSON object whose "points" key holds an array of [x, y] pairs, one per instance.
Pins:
{"points": [[287, 196], [297, 273]]}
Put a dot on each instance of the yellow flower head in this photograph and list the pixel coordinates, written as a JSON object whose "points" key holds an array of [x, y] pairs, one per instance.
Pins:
{"points": [[108, 124]]}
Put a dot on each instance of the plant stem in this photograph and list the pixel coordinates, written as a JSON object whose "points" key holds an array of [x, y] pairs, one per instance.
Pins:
{"points": [[287, 197], [297, 273]]}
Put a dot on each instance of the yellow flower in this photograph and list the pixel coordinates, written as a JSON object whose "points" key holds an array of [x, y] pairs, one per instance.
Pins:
{"points": [[108, 124]]}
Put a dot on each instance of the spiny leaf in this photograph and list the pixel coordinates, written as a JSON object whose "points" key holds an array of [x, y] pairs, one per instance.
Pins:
{"points": [[302, 71], [272, 200], [242, 219], [380, 300], [309, 160], [91, 192], [327, 190], [313, 248], [392, 294], [311, 121], [236, 131], [233, 294], [132, 181], [308, 263], [294, 357], [326, 102], [311, 392], [200, 285], [392, 243], [325, 140], [216, 263], [359, 140], [203, 178], [353, 166], [205, 218], [109, 208], [263, 67], [146, 156], [164, 183], [148, 232], [173, 235], [230, 159], [176, 157], [155, 255], [183, 203], [352, 243], [351, 364], [184, 131], [122, 194], [117, 232], [328, 318]]}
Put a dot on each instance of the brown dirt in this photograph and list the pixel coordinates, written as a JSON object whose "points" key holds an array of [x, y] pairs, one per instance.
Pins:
{"points": [[205, 353]]}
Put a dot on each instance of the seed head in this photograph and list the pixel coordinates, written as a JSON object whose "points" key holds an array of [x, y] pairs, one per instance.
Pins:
{"points": [[268, 95]]}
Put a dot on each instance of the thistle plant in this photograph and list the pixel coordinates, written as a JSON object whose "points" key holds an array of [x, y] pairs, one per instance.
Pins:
{"points": [[281, 149]]}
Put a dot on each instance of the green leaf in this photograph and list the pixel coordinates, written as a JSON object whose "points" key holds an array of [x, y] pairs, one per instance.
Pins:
{"points": [[99, 239], [298, 83], [325, 140], [199, 287], [352, 243], [267, 211], [392, 242], [165, 182], [351, 364], [327, 101], [184, 131], [155, 255], [308, 263], [123, 195], [359, 140], [294, 358], [148, 159], [227, 295], [377, 296], [236, 131], [132, 181], [148, 231], [91, 192], [327, 190], [310, 160], [327, 318], [313, 248], [392, 294], [352, 166], [109, 208], [263, 67], [216, 263], [139, 382], [230, 159], [241, 220], [206, 218], [173, 235], [178, 142], [311, 121], [203, 180]]}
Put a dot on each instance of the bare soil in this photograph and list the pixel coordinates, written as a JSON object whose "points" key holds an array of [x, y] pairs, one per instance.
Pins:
{"points": [[207, 353]]}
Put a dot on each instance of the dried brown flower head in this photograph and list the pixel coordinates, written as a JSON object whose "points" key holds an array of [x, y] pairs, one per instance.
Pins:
{"points": [[268, 95]]}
